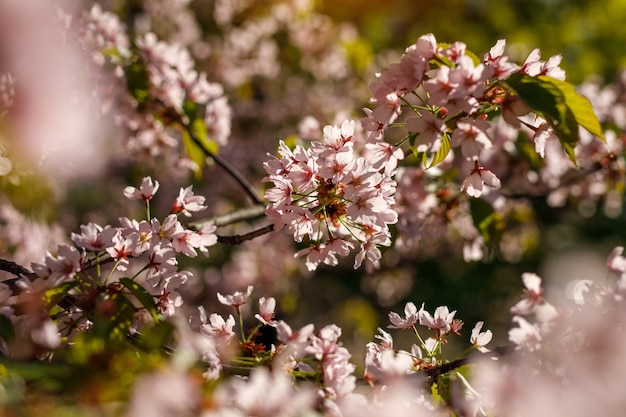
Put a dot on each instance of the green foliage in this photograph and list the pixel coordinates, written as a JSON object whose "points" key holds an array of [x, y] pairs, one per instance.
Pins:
{"points": [[196, 144], [442, 152], [488, 221], [142, 296], [562, 107], [138, 82]]}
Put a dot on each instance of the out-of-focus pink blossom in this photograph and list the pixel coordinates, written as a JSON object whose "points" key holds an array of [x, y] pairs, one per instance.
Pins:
{"points": [[532, 297], [411, 316], [479, 339], [145, 192], [267, 311], [236, 299], [526, 335]]}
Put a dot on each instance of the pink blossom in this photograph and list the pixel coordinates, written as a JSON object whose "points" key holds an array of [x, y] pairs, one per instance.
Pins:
{"points": [[64, 265], [471, 135], [266, 310], [122, 249], [146, 190], [309, 128], [185, 241], [207, 237], [473, 183], [526, 335], [441, 321], [495, 57], [615, 262], [479, 339], [187, 202], [430, 129], [285, 334], [532, 297], [236, 299], [95, 238], [411, 316]]}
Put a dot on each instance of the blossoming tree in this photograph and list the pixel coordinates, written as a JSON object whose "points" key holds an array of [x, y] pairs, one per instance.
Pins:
{"points": [[113, 320]]}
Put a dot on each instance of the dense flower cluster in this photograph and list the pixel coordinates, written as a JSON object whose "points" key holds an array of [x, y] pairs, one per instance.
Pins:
{"points": [[334, 197], [125, 322], [102, 259], [165, 90]]}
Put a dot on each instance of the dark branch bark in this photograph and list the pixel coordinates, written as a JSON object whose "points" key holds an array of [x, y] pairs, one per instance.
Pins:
{"points": [[238, 239], [226, 166], [240, 215], [497, 352], [13, 268]]}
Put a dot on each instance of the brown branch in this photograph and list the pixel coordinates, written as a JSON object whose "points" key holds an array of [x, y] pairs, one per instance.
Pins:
{"points": [[239, 239], [497, 352], [240, 215], [226, 166], [13, 268]]}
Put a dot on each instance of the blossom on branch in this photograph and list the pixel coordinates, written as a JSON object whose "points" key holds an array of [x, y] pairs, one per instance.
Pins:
{"points": [[333, 196]]}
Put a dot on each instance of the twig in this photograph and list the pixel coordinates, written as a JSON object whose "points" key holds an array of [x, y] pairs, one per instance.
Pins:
{"points": [[13, 268], [498, 352], [240, 215], [232, 171], [238, 239]]}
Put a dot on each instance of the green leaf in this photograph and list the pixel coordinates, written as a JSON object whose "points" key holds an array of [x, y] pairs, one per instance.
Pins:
{"points": [[138, 82], [7, 332], [443, 151], [54, 295], [142, 295], [154, 338], [558, 102], [579, 105], [488, 222], [196, 148], [114, 316]]}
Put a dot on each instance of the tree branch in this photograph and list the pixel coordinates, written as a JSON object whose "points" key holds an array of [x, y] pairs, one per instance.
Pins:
{"points": [[497, 352], [238, 239], [240, 215], [226, 166]]}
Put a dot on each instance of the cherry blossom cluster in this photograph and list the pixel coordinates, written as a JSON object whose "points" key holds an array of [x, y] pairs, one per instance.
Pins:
{"points": [[152, 86], [144, 251], [301, 353], [334, 197], [450, 96], [386, 364], [562, 352]]}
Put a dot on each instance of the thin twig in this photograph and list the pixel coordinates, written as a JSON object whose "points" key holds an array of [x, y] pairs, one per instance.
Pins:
{"points": [[239, 215], [497, 352], [232, 171], [13, 268], [238, 239]]}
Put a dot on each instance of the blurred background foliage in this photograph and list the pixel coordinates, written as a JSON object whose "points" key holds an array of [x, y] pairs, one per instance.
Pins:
{"points": [[590, 35]]}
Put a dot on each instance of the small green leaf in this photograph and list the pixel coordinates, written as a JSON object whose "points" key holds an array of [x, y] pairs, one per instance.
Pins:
{"points": [[197, 149], [488, 222], [54, 295], [7, 332], [579, 105], [142, 295], [558, 102], [443, 151], [138, 82]]}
